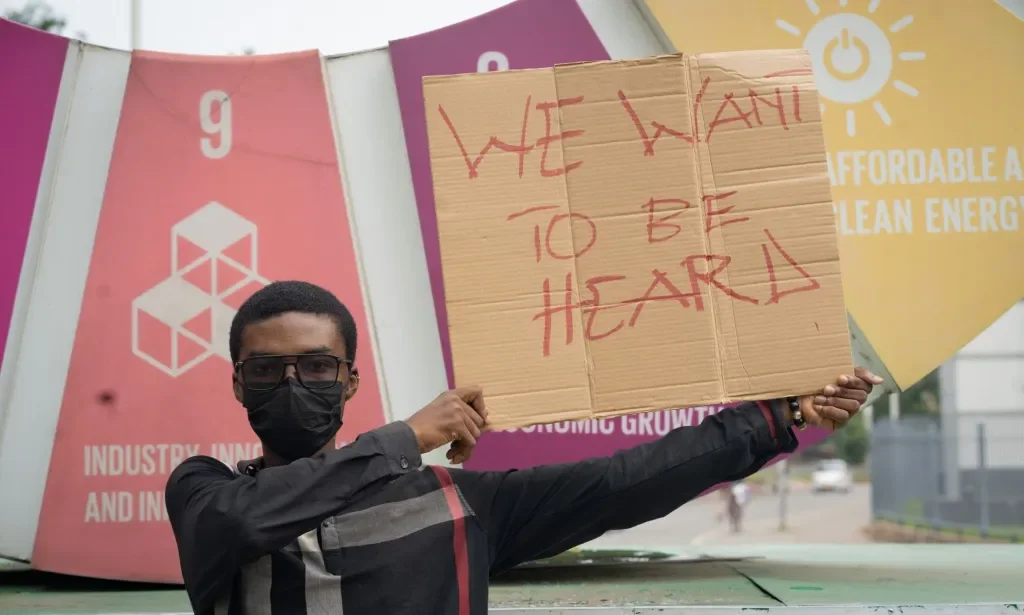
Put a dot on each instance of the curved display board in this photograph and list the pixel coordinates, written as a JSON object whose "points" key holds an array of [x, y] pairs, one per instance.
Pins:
{"points": [[183, 236], [163, 189], [70, 192], [921, 102]]}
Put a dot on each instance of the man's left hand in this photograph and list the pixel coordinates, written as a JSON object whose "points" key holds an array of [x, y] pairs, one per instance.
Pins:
{"points": [[837, 404]]}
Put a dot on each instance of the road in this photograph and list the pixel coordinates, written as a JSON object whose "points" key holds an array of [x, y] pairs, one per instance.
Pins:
{"points": [[813, 519]]}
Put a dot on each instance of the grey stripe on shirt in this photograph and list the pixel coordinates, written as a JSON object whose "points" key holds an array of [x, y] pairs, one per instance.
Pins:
{"points": [[387, 522], [323, 589]]}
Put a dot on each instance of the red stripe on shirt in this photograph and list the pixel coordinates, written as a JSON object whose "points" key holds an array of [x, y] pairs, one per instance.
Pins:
{"points": [[458, 536], [768, 416]]}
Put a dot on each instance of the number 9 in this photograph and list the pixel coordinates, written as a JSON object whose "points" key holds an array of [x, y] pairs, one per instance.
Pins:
{"points": [[221, 126]]}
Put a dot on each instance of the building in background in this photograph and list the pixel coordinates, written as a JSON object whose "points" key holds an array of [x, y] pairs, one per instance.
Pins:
{"points": [[983, 384], [962, 471]]}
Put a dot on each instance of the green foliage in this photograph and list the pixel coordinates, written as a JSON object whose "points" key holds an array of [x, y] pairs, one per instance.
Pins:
{"points": [[39, 15], [922, 399], [853, 442]]}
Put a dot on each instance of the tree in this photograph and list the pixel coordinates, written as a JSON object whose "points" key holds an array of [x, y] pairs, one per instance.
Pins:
{"points": [[38, 15], [853, 442], [921, 399]]}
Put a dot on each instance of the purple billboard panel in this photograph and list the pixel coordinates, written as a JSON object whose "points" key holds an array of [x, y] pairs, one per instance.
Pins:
{"points": [[575, 440], [523, 34], [31, 65]]}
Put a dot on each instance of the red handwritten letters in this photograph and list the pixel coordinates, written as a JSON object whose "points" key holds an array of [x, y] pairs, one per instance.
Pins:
{"points": [[522, 148], [683, 282], [693, 273], [636, 235]]}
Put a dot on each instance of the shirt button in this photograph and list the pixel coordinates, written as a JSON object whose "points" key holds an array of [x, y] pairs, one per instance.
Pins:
{"points": [[404, 462]]}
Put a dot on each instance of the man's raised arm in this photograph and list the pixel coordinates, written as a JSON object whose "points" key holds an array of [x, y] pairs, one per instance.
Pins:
{"points": [[539, 512]]}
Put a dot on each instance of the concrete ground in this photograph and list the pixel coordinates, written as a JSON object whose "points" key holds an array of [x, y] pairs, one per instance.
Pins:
{"points": [[827, 518], [748, 572]]}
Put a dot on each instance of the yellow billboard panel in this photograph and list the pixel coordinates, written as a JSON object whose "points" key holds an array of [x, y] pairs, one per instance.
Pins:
{"points": [[923, 109]]}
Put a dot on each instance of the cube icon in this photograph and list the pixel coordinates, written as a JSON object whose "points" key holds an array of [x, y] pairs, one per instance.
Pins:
{"points": [[229, 275], [225, 238], [213, 263], [173, 303]]}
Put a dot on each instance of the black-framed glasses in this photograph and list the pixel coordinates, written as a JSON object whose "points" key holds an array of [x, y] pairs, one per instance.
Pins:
{"points": [[313, 371]]}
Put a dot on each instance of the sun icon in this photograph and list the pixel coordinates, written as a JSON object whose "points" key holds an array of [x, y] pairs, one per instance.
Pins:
{"points": [[853, 58]]}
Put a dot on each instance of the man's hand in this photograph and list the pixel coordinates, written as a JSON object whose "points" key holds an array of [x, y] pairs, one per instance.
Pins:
{"points": [[455, 416], [837, 404]]}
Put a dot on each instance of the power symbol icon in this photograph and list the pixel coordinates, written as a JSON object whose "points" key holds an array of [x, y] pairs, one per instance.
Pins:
{"points": [[846, 56], [851, 57]]}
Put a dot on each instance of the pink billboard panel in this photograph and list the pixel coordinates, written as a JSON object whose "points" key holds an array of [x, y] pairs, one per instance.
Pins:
{"points": [[224, 177]]}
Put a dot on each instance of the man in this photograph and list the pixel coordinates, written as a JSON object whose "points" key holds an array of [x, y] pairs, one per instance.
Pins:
{"points": [[365, 529], [737, 500]]}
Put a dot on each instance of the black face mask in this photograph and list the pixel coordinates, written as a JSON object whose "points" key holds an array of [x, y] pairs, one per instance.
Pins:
{"points": [[294, 421]]}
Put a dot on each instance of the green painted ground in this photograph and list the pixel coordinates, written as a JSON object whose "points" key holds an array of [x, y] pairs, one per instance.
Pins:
{"points": [[741, 576]]}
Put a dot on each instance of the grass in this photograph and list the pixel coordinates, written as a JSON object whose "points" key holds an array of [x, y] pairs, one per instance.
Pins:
{"points": [[912, 516], [1007, 533]]}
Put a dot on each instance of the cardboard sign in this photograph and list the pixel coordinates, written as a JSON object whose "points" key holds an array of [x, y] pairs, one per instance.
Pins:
{"points": [[618, 237]]}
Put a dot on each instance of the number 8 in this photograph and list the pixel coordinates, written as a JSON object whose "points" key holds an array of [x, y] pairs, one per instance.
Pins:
{"points": [[491, 58], [222, 126]]}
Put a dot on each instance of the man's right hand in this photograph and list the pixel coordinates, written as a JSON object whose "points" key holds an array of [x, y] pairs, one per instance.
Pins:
{"points": [[455, 416]]}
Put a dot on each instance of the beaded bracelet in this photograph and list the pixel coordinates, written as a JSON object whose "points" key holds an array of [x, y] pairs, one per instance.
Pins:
{"points": [[796, 413]]}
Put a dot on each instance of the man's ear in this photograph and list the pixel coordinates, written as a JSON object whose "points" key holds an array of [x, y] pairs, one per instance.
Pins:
{"points": [[237, 386], [353, 384]]}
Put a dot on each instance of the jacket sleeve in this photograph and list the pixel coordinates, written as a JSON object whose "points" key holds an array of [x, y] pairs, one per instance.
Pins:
{"points": [[222, 521], [542, 511]]}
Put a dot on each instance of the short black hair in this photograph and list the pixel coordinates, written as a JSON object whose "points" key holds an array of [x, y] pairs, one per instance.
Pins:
{"points": [[292, 296]]}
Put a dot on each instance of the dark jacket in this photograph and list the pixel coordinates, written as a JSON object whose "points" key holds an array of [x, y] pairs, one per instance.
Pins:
{"points": [[366, 529]]}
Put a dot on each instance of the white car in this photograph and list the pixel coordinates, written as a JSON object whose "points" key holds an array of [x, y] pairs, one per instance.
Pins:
{"points": [[832, 475]]}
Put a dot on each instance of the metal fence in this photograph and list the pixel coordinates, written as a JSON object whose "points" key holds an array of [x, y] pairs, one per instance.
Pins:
{"points": [[964, 478]]}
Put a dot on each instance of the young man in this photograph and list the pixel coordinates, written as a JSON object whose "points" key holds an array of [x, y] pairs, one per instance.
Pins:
{"points": [[308, 529]]}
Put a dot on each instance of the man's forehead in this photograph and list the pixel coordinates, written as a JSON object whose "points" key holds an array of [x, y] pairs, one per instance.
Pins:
{"points": [[292, 333]]}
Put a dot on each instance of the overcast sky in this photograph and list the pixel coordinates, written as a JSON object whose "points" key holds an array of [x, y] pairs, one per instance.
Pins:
{"points": [[268, 26]]}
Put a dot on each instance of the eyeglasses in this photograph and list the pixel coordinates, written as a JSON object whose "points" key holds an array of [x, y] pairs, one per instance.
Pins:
{"points": [[314, 371]]}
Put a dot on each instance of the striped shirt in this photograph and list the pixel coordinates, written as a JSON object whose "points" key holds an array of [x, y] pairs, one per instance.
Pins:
{"points": [[367, 529]]}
